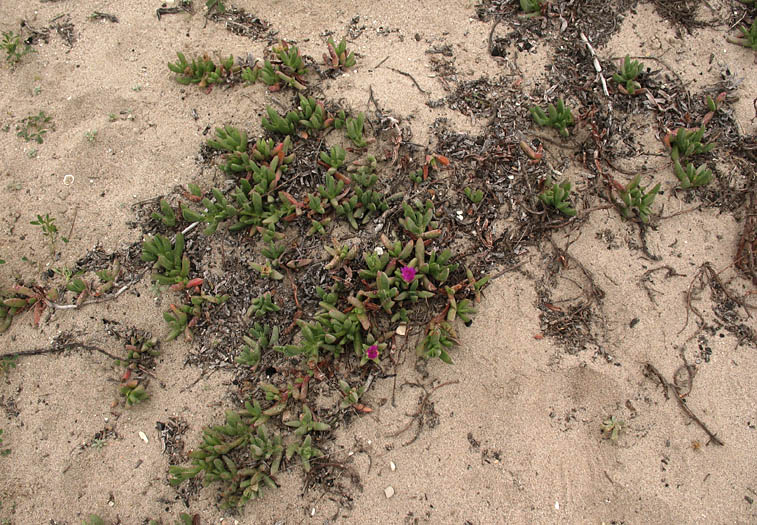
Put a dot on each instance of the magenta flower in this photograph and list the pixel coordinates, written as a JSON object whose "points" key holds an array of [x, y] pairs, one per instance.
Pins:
{"points": [[372, 352], [408, 274]]}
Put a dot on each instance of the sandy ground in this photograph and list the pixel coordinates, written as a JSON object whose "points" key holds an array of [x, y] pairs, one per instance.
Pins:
{"points": [[511, 431]]}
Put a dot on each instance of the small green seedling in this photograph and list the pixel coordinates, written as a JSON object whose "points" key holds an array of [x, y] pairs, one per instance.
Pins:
{"points": [[334, 159], [217, 5], [250, 75], [166, 215], [558, 117], [354, 128], [438, 339], [202, 70], [268, 75], [306, 451], [331, 191], [81, 288], [437, 266], [692, 177], [713, 106], [195, 72], [178, 322], [91, 136], [318, 227], [636, 198], [340, 120], [363, 172], [259, 338], [34, 127], [266, 150], [627, 75], [289, 72], [475, 196], [291, 60], [532, 8], [463, 309], [306, 423], [267, 271], [340, 255], [108, 277], [351, 394], [262, 305], [557, 196], [687, 143], [171, 263], [14, 50], [141, 350], [134, 392], [275, 123], [273, 252], [6, 363], [267, 448], [14, 301], [418, 219], [337, 57], [312, 114], [49, 230], [748, 37], [612, 427], [229, 139], [3, 451]]}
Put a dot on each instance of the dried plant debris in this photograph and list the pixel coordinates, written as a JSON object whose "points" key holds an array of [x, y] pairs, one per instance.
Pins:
{"points": [[730, 311], [172, 438], [682, 13], [240, 22], [569, 324], [99, 15], [477, 97], [599, 19], [746, 254], [65, 29], [36, 35], [489, 9]]}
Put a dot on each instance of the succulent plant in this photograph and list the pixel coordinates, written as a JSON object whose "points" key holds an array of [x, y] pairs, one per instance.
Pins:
{"points": [[636, 198], [627, 75], [558, 117], [557, 196], [691, 177], [338, 57]]}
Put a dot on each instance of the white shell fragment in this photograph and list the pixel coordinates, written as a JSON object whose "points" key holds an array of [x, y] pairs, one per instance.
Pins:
{"points": [[143, 437]]}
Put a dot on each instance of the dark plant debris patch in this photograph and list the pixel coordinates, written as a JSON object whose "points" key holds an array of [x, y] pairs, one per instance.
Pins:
{"points": [[240, 22]]}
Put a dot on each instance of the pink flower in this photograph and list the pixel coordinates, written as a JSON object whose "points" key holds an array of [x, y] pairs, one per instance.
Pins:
{"points": [[408, 274], [372, 352]]}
